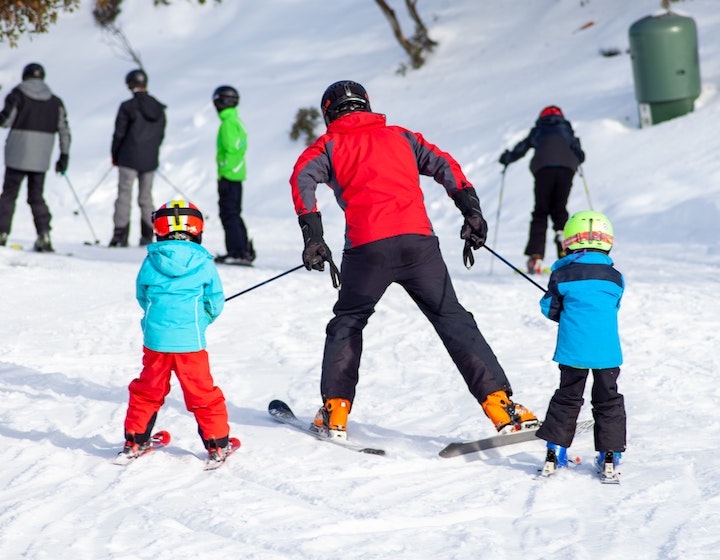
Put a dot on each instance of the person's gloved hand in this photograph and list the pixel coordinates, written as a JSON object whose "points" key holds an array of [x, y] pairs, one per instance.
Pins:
{"points": [[62, 164], [316, 251], [505, 158], [315, 254], [474, 231]]}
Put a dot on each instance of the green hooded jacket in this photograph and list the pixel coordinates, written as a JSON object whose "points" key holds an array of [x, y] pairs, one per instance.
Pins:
{"points": [[231, 146]]}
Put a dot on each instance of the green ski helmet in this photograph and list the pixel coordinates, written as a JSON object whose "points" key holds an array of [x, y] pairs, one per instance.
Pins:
{"points": [[588, 230]]}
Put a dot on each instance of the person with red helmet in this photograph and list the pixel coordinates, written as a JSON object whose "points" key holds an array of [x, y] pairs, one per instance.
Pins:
{"points": [[180, 292], [557, 156], [373, 169]]}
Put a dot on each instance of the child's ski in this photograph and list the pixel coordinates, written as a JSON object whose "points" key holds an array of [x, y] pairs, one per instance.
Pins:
{"points": [[158, 440], [282, 413]]}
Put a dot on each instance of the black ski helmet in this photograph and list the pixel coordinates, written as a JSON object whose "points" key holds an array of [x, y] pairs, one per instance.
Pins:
{"points": [[343, 97], [33, 70], [224, 97], [136, 79]]}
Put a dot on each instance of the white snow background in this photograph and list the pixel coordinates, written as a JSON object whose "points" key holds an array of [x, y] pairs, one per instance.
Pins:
{"points": [[70, 339]]}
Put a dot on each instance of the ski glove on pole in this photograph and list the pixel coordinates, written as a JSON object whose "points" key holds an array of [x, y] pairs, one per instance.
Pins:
{"points": [[62, 164], [474, 230], [316, 251]]}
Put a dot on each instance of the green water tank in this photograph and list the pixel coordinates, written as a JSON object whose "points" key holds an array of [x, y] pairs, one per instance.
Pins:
{"points": [[666, 67]]}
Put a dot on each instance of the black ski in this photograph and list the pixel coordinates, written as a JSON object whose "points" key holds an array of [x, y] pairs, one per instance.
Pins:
{"points": [[283, 413]]}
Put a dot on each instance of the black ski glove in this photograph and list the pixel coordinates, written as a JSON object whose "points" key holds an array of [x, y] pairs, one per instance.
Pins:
{"points": [[474, 230], [62, 164], [506, 158], [316, 251]]}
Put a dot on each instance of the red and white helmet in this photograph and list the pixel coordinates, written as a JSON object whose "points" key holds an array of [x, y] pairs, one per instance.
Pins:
{"points": [[178, 219]]}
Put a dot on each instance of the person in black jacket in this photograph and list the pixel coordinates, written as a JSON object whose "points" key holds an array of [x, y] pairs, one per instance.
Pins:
{"points": [[557, 156], [139, 131], [34, 115]]}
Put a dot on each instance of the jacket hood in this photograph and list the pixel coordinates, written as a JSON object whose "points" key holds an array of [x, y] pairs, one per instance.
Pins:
{"points": [[177, 258], [583, 257], [150, 107], [36, 89], [351, 122]]}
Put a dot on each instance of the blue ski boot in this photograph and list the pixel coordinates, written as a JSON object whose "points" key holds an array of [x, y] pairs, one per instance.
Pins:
{"points": [[606, 464], [555, 459]]}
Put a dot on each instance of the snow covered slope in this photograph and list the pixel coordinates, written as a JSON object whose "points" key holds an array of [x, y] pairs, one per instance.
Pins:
{"points": [[71, 339]]}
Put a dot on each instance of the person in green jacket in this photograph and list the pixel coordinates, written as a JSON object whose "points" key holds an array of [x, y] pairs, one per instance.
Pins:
{"points": [[231, 148]]}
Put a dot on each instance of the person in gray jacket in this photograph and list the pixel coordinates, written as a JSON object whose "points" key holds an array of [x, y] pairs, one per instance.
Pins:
{"points": [[135, 149], [34, 115]]}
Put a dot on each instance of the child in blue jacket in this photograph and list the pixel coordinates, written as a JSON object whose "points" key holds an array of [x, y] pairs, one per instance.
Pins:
{"points": [[180, 291], [583, 296]]}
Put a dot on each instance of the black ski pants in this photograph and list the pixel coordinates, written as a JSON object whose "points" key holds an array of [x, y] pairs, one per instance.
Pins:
{"points": [[414, 262], [608, 408], [38, 206], [552, 189], [230, 205]]}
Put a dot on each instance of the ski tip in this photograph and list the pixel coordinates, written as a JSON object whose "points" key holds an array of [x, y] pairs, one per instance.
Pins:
{"points": [[277, 404], [162, 437]]}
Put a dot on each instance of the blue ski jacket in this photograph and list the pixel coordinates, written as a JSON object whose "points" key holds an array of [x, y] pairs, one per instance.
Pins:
{"points": [[180, 291], [584, 296]]}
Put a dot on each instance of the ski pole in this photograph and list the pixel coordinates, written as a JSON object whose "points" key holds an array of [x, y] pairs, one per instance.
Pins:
{"points": [[76, 212], [516, 269], [266, 281], [497, 215], [169, 182], [82, 209], [587, 190]]}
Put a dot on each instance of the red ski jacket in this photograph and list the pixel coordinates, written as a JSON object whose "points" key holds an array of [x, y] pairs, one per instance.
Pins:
{"points": [[374, 171]]}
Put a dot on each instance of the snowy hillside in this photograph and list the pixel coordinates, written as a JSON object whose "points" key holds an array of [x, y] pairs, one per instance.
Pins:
{"points": [[71, 340]]}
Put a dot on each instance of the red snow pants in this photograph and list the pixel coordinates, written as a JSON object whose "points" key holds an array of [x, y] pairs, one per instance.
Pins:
{"points": [[202, 397]]}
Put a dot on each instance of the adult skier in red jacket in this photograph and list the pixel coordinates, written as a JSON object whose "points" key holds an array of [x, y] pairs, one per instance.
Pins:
{"points": [[374, 171]]}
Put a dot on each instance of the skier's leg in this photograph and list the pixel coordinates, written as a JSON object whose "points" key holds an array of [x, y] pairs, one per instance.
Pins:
{"points": [[202, 397], [145, 202], [147, 394], [121, 217], [229, 202], [11, 188], [608, 410], [539, 222], [244, 241], [564, 408], [38, 206], [364, 278], [559, 197]]}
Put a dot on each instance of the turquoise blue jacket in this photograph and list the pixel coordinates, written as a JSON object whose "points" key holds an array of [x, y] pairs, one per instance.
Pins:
{"points": [[180, 291], [584, 296]]}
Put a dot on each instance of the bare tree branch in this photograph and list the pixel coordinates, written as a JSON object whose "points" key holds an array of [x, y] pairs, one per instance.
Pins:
{"points": [[420, 43]]}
